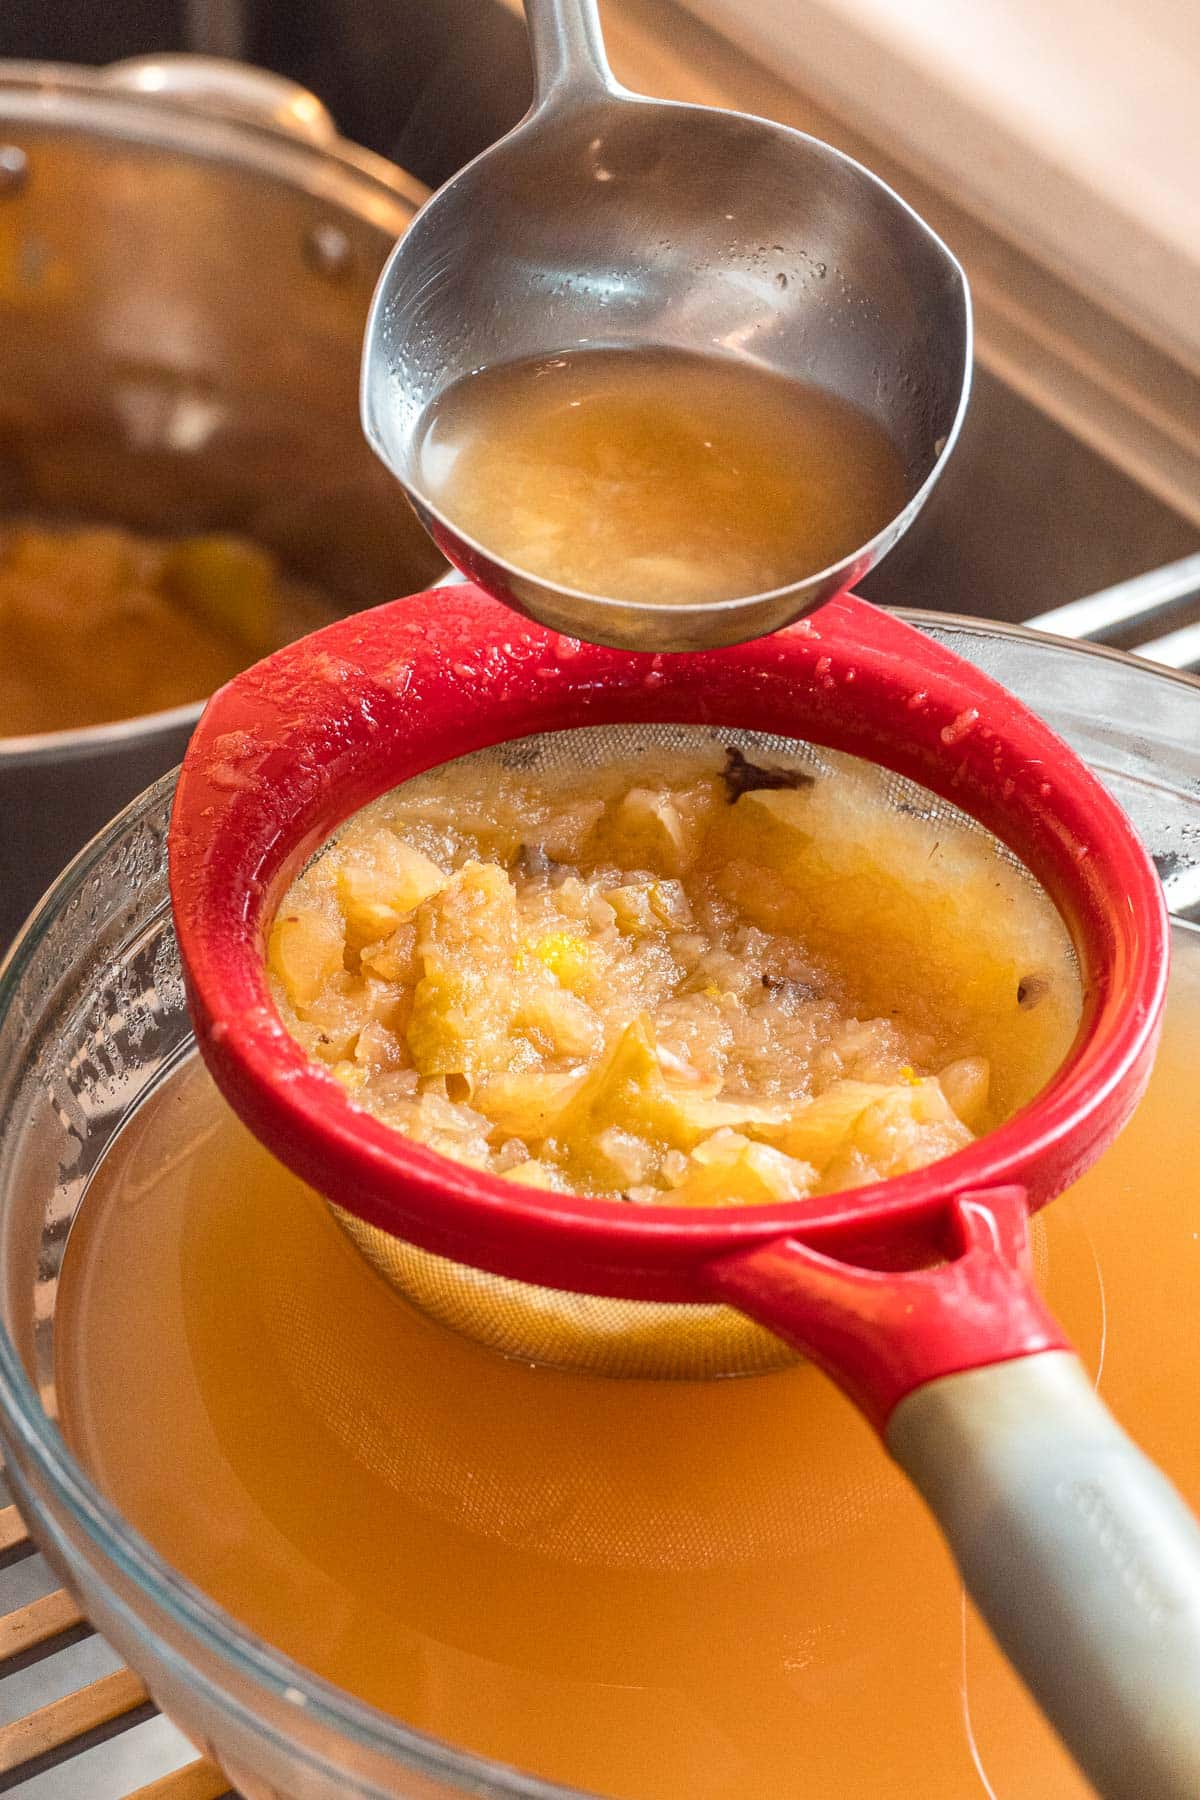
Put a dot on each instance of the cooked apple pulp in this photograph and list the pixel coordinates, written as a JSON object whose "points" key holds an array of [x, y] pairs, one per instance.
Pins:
{"points": [[684, 977], [99, 624]]}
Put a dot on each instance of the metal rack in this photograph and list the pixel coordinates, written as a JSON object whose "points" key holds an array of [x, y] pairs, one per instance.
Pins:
{"points": [[75, 1723]]}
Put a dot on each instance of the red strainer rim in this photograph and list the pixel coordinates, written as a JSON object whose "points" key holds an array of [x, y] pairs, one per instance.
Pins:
{"points": [[289, 749]]}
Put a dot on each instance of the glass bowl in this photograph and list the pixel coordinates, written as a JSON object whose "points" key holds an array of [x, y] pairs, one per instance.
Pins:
{"points": [[92, 1016]]}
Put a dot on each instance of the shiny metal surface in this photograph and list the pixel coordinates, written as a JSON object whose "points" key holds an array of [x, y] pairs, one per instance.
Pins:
{"points": [[606, 218], [1156, 614], [182, 299], [226, 89], [1027, 516]]}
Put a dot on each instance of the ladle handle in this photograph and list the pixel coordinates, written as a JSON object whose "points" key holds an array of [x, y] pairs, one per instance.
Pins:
{"points": [[1080, 1555], [567, 46]]}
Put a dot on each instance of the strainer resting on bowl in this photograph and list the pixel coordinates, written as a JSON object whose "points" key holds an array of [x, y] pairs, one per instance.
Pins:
{"points": [[912, 1293]]}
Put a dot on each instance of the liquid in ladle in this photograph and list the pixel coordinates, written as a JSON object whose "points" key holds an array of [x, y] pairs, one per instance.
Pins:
{"points": [[658, 476]]}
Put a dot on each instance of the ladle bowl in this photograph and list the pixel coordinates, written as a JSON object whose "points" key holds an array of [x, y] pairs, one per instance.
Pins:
{"points": [[605, 219]]}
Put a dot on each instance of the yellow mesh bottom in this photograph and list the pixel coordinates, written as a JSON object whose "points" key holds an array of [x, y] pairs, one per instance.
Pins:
{"points": [[543, 1460], [645, 1338]]}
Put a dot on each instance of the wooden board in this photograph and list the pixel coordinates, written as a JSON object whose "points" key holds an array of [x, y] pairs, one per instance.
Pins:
{"points": [[43, 1629]]}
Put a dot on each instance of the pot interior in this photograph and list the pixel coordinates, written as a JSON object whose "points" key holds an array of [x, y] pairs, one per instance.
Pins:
{"points": [[183, 305]]}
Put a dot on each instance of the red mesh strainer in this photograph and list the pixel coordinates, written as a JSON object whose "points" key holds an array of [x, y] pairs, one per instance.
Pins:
{"points": [[911, 1293]]}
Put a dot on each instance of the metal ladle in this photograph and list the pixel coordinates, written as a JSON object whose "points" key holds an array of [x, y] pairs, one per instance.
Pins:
{"points": [[605, 219]]}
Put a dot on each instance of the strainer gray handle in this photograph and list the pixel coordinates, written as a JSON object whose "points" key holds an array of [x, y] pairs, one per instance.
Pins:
{"points": [[1082, 1557]]}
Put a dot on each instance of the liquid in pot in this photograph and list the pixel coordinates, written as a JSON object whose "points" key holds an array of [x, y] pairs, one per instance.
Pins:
{"points": [[99, 624]]}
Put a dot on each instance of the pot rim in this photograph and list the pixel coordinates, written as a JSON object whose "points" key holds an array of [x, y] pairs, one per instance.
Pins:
{"points": [[86, 740], [74, 97]]}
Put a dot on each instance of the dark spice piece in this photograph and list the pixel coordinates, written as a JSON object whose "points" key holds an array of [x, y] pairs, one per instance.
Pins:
{"points": [[789, 992], [532, 862], [1032, 989], [743, 777]]}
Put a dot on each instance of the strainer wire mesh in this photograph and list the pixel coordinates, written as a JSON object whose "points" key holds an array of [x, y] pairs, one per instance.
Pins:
{"points": [[621, 1337]]}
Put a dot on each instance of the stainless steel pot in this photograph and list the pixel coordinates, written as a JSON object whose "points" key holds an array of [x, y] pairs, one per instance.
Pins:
{"points": [[187, 255]]}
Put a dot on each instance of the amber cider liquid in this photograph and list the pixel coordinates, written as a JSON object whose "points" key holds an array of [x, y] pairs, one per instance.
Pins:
{"points": [[719, 1590], [658, 476]]}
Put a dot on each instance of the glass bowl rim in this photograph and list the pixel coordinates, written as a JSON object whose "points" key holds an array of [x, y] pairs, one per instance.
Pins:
{"points": [[233, 1646]]}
